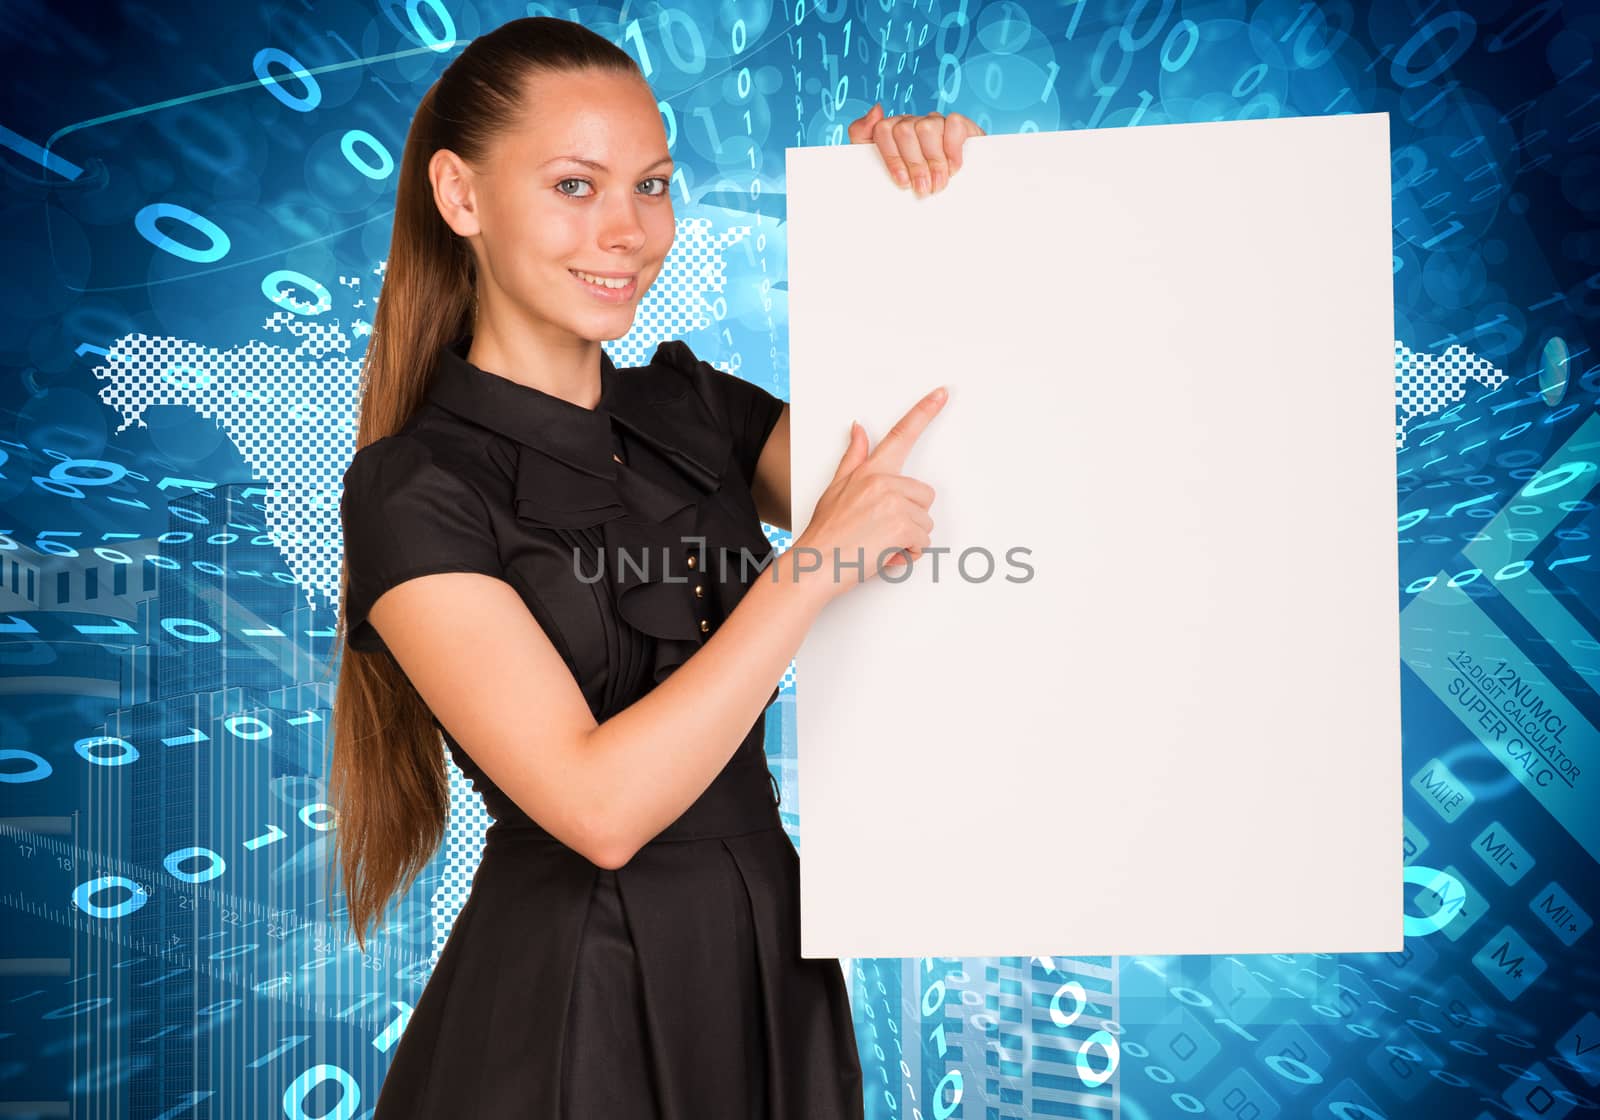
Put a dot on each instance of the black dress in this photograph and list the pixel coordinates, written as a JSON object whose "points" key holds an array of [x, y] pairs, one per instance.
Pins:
{"points": [[673, 986]]}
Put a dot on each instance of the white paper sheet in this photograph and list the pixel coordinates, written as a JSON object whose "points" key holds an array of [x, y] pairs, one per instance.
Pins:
{"points": [[1170, 358]]}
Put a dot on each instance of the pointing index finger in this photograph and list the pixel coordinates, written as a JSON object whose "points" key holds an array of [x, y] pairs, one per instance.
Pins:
{"points": [[890, 454]]}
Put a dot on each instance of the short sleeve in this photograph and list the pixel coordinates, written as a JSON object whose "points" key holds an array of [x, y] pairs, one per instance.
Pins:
{"points": [[404, 516], [746, 411]]}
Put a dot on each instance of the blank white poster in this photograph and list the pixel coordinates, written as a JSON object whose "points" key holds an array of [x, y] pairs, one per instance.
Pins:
{"points": [[1148, 702]]}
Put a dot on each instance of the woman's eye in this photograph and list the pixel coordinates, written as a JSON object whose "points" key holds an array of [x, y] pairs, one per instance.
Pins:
{"points": [[666, 185]]}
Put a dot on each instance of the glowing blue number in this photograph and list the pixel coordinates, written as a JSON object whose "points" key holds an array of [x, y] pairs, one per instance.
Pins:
{"points": [[696, 62], [41, 766], [191, 630], [294, 1097], [85, 747], [147, 217], [307, 101], [83, 892], [274, 283], [447, 29], [347, 145], [217, 865]]}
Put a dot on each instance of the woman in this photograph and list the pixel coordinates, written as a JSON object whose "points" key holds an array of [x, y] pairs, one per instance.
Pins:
{"points": [[630, 945]]}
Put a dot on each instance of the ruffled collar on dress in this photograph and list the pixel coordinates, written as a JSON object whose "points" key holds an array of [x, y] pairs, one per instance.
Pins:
{"points": [[565, 478], [661, 410]]}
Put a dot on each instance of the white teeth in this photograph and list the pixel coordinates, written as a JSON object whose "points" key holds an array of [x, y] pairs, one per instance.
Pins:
{"points": [[601, 280]]}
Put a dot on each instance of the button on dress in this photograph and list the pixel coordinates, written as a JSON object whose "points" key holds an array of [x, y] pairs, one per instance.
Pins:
{"points": [[671, 987]]}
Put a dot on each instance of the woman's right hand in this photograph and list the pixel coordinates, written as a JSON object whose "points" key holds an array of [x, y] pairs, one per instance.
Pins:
{"points": [[870, 510]]}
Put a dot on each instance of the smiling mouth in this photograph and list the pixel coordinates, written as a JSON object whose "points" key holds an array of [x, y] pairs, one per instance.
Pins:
{"points": [[609, 290]]}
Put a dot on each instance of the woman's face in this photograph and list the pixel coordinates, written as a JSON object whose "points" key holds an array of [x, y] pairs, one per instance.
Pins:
{"points": [[541, 215]]}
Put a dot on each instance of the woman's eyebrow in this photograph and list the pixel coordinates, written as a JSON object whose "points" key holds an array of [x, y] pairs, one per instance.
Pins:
{"points": [[596, 165]]}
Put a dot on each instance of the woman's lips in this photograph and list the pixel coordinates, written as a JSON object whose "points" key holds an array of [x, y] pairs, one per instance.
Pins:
{"points": [[605, 294]]}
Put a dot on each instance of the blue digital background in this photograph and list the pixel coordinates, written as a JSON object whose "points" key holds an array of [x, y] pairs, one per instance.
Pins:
{"points": [[196, 236]]}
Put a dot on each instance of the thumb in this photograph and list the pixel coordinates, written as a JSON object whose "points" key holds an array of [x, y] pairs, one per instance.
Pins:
{"points": [[855, 454], [861, 131]]}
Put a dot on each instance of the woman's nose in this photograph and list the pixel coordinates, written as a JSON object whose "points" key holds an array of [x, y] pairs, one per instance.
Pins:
{"points": [[622, 226]]}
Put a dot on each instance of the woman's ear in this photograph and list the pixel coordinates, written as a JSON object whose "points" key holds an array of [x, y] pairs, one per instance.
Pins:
{"points": [[454, 192]]}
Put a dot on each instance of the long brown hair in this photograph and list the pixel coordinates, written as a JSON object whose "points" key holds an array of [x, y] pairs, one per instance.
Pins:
{"points": [[387, 782]]}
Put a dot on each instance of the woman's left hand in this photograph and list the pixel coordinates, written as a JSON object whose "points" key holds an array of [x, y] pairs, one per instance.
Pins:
{"points": [[922, 152]]}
